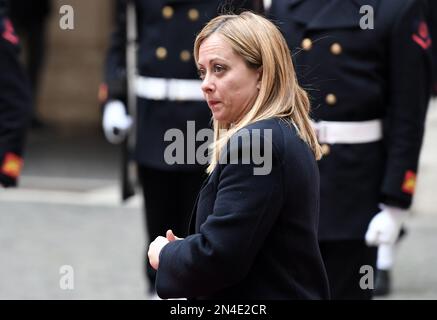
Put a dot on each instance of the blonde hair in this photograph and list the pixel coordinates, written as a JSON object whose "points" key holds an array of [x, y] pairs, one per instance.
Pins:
{"points": [[261, 44]]}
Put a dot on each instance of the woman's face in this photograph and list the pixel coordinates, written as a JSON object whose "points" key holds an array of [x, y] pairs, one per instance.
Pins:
{"points": [[229, 86]]}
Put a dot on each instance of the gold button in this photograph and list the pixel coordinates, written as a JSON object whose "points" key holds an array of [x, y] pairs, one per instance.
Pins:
{"points": [[167, 12], [336, 48], [185, 55], [193, 14], [331, 99], [325, 149], [161, 53], [307, 44]]}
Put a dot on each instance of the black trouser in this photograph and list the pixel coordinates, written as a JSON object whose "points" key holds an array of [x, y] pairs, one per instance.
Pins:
{"points": [[343, 261], [33, 34], [169, 199]]}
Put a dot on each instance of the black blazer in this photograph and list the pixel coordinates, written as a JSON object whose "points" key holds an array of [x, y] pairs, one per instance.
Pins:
{"points": [[255, 236]]}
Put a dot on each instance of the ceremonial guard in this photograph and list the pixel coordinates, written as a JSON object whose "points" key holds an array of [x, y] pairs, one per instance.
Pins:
{"points": [[366, 65], [15, 103], [30, 22], [168, 97]]}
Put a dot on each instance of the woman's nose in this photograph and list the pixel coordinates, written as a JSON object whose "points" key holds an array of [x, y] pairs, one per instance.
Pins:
{"points": [[207, 85]]}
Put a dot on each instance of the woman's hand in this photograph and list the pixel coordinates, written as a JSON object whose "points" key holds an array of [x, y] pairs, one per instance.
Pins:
{"points": [[156, 247], [171, 237]]}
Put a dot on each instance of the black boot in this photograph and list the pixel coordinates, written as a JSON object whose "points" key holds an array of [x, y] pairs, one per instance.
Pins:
{"points": [[382, 283]]}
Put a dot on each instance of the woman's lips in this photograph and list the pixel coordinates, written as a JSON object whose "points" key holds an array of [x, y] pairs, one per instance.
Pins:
{"points": [[213, 103]]}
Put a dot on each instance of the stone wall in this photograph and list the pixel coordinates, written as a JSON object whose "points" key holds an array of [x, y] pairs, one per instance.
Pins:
{"points": [[74, 64]]}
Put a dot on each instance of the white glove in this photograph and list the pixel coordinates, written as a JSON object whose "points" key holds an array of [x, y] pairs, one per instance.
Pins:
{"points": [[385, 226], [116, 122]]}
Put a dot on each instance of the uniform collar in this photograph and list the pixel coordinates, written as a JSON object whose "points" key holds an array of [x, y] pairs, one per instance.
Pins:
{"points": [[333, 14]]}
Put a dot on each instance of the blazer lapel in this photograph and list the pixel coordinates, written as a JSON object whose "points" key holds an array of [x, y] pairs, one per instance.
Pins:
{"points": [[192, 222]]}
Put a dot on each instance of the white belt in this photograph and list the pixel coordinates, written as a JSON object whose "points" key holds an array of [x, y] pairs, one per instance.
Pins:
{"points": [[168, 89], [348, 132]]}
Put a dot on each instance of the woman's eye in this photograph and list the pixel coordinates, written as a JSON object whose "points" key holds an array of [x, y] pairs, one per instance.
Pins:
{"points": [[218, 68], [201, 73]]}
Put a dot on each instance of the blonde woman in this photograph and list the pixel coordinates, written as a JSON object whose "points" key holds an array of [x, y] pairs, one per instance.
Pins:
{"points": [[254, 229]]}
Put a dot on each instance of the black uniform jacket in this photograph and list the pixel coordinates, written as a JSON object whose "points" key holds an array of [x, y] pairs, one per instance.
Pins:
{"points": [[355, 73], [15, 104], [432, 18], [166, 34], [254, 236]]}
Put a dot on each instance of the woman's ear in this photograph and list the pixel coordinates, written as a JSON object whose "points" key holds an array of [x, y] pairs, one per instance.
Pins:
{"points": [[260, 75]]}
